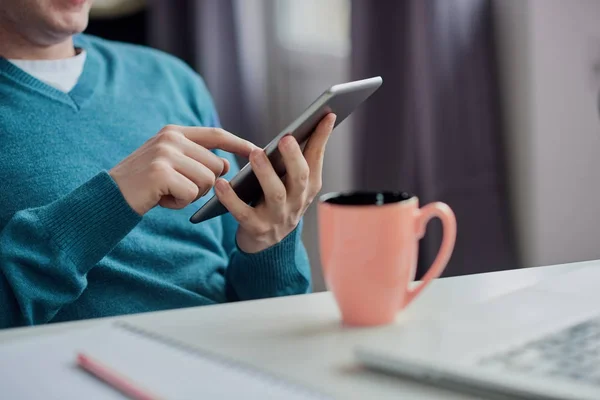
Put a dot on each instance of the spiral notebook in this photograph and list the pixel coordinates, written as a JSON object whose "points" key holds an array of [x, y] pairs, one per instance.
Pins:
{"points": [[46, 368]]}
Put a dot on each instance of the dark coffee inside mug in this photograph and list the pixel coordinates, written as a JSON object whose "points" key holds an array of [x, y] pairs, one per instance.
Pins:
{"points": [[366, 198]]}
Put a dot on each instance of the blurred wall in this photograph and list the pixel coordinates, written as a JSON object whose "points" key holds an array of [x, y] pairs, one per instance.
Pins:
{"points": [[549, 56]]}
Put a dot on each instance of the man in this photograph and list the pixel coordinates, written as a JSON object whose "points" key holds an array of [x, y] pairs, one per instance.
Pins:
{"points": [[104, 148]]}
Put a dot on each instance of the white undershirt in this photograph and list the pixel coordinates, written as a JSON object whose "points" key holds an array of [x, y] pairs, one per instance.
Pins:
{"points": [[61, 74]]}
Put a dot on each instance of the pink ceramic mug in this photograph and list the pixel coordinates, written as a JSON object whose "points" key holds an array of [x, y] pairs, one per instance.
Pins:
{"points": [[369, 245]]}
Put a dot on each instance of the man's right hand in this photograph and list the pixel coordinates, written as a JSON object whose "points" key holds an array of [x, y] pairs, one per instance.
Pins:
{"points": [[176, 166]]}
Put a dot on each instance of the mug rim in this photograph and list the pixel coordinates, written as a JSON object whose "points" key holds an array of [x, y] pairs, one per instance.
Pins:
{"points": [[324, 199]]}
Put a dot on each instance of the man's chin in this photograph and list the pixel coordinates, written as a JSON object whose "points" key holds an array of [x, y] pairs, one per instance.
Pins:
{"points": [[71, 18], [70, 25], [57, 33]]}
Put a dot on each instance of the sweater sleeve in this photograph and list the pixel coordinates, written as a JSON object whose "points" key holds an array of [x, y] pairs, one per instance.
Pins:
{"points": [[282, 269], [46, 252]]}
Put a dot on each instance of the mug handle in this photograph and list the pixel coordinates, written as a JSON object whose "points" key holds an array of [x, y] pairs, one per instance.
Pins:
{"points": [[424, 215]]}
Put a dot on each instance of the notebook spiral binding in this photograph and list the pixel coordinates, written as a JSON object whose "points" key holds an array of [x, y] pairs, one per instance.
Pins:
{"points": [[224, 361]]}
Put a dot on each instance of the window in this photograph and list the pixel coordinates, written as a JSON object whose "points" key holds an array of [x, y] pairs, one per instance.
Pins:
{"points": [[319, 26]]}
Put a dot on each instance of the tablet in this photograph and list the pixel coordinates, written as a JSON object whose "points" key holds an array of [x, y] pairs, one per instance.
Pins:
{"points": [[339, 99]]}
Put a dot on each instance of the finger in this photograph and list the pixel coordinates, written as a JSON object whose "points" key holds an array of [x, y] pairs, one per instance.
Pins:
{"points": [[241, 211], [170, 202], [226, 167], [314, 151], [196, 172], [172, 136], [182, 192], [217, 138], [272, 186], [297, 171], [204, 156]]}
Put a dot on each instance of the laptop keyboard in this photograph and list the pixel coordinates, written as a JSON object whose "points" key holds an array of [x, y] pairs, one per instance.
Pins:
{"points": [[572, 353]]}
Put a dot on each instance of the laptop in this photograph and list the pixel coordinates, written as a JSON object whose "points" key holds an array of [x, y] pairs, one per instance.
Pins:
{"points": [[541, 342]]}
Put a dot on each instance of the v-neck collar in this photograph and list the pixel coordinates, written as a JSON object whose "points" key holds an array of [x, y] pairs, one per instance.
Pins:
{"points": [[81, 92]]}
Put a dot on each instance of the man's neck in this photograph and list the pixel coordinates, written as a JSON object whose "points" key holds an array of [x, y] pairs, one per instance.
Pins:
{"points": [[17, 47]]}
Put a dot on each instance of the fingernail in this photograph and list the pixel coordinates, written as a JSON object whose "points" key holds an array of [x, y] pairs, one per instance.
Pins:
{"points": [[259, 157], [332, 122], [288, 141], [222, 185]]}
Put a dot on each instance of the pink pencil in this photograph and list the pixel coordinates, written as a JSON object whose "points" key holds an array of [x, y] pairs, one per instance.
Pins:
{"points": [[113, 378]]}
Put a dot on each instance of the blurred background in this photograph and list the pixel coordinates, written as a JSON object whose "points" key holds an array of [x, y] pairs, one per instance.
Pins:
{"points": [[488, 105]]}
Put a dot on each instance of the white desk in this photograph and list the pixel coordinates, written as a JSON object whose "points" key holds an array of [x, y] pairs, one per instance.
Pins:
{"points": [[300, 337]]}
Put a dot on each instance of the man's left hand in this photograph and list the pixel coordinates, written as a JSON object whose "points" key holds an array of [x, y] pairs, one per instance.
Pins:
{"points": [[285, 200]]}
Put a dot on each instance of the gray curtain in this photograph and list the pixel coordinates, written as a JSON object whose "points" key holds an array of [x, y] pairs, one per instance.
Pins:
{"points": [[433, 129], [204, 34]]}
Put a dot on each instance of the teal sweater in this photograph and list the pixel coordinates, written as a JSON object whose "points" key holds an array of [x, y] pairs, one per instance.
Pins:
{"points": [[70, 246]]}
